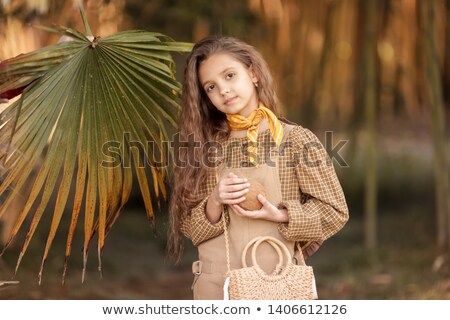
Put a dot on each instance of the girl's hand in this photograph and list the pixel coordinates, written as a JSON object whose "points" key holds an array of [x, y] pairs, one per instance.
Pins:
{"points": [[230, 190], [267, 212]]}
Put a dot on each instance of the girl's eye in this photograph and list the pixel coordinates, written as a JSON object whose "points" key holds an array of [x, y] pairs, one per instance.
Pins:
{"points": [[230, 75], [209, 88]]}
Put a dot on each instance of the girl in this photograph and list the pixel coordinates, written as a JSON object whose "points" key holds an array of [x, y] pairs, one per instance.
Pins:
{"points": [[235, 139]]}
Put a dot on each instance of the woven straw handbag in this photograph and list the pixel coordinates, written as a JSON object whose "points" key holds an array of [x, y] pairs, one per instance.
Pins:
{"points": [[287, 282]]}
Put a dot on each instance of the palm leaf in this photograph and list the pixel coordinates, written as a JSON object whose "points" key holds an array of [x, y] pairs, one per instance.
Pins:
{"points": [[78, 96]]}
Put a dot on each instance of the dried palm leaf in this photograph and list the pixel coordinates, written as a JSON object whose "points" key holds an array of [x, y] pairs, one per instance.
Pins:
{"points": [[78, 97]]}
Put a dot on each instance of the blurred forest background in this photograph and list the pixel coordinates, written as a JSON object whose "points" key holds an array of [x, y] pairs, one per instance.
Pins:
{"points": [[374, 72]]}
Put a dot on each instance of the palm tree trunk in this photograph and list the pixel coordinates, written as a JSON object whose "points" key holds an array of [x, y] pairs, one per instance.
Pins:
{"points": [[446, 73], [370, 115], [427, 15], [311, 107]]}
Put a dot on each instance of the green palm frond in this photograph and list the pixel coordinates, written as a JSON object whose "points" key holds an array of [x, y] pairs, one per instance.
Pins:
{"points": [[81, 98]]}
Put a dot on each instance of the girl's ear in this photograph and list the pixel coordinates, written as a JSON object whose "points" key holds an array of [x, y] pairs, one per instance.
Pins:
{"points": [[252, 74]]}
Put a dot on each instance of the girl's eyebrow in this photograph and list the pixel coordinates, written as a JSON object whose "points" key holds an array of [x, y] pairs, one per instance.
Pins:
{"points": [[222, 72]]}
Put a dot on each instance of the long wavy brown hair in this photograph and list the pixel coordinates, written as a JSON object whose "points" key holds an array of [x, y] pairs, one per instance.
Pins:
{"points": [[200, 119]]}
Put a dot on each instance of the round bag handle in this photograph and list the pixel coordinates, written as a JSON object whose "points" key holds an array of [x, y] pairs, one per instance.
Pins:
{"points": [[274, 242], [258, 240]]}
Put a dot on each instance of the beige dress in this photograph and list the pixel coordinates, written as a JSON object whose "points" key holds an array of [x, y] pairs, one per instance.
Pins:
{"points": [[210, 279]]}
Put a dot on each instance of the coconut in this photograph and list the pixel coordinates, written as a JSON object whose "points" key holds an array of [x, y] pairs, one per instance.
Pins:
{"points": [[251, 201]]}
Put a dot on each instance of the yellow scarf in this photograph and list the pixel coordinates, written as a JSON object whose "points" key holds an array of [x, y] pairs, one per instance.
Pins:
{"points": [[251, 123]]}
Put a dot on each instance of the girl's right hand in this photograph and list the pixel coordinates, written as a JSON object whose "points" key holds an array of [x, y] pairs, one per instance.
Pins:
{"points": [[230, 190]]}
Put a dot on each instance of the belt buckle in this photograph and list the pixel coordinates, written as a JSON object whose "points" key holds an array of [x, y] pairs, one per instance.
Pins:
{"points": [[197, 267]]}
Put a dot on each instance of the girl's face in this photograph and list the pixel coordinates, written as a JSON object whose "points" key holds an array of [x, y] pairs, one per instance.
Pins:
{"points": [[229, 84]]}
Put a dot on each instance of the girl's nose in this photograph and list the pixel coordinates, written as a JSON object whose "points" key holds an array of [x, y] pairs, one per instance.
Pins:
{"points": [[225, 91]]}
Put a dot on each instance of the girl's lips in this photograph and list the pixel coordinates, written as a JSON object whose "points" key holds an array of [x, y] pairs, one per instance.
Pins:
{"points": [[229, 100]]}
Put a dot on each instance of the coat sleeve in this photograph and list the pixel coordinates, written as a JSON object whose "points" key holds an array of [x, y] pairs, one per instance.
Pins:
{"points": [[198, 228], [324, 212]]}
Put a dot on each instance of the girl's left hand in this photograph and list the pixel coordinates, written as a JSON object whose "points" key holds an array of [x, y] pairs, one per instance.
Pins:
{"points": [[267, 212]]}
